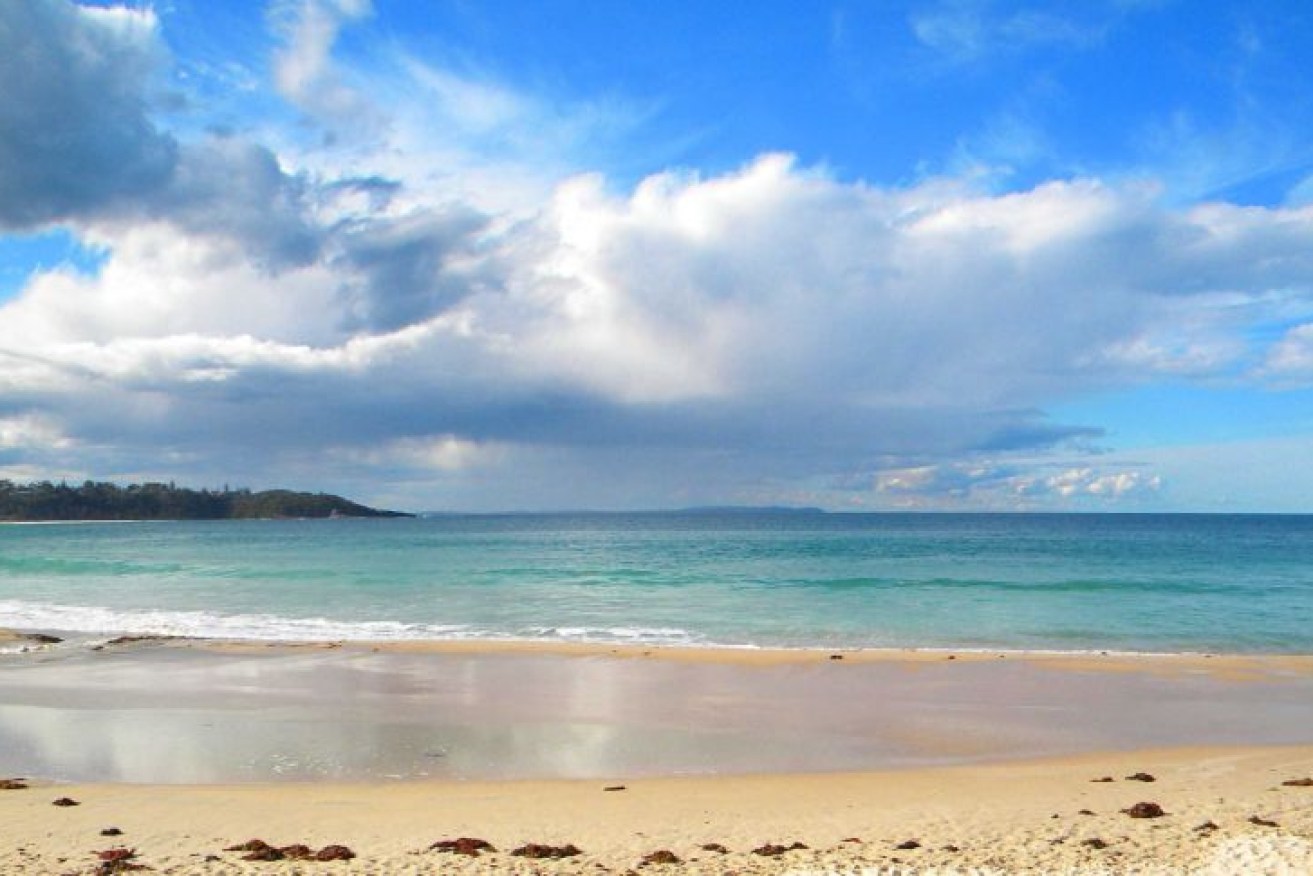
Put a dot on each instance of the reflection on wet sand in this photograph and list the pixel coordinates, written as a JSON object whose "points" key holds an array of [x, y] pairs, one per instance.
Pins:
{"points": [[184, 714]]}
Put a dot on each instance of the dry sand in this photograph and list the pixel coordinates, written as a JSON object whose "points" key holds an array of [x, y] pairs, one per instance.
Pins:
{"points": [[1002, 818]]}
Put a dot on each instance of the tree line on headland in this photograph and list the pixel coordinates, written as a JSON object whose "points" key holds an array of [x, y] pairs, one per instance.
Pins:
{"points": [[95, 500]]}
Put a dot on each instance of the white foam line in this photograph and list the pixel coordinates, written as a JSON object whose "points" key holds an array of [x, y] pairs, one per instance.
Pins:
{"points": [[101, 621]]}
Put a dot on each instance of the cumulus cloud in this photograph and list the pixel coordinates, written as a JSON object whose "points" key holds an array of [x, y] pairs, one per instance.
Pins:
{"points": [[986, 483], [76, 133], [794, 320], [773, 331], [79, 144]]}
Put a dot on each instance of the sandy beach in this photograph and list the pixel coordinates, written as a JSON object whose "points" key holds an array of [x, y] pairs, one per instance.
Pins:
{"points": [[879, 762], [1032, 817]]}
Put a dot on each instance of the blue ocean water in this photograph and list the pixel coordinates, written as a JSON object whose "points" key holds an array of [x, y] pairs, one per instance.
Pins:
{"points": [[1160, 583]]}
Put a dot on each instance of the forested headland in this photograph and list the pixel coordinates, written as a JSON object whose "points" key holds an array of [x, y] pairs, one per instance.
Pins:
{"points": [[96, 500]]}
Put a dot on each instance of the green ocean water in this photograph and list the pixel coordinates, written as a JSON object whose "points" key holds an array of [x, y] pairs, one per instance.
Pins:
{"points": [[1160, 583]]}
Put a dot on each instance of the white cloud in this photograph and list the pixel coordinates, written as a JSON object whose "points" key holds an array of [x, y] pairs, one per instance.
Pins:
{"points": [[303, 70], [31, 432], [160, 281], [1089, 482], [1013, 483], [772, 330], [775, 312], [964, 31], [1290, 359]]}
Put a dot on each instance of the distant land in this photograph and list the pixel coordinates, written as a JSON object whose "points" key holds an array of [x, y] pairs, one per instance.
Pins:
{"points": [[695, 511], [749, 509], [45, 501]]}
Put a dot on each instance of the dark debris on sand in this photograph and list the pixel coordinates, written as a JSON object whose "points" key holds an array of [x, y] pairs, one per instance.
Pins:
{"points": [[118, 860], [715, 847], [662, 856], [334, 853], [540, 851], [259, 850], [1298, 783], [1262, 822], [268, 853], [65, 801], [1141, 777], [771, 850], [134, 640], [465, 845], [13, 784], [1145, 810]]}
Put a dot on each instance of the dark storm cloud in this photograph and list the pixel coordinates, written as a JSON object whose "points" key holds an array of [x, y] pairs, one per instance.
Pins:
{"points": [[404, 267], [76, 134]]}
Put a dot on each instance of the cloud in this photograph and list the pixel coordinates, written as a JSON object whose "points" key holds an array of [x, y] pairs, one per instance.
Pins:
{"points": [[963, 31], [991, 484], [442, 453], [79, 145], [788, 323], [1289, 361], [303, 68], [410, 269], [76, 134], [265, 312]]}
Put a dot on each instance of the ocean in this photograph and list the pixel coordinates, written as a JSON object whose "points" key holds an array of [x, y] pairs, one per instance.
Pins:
{"points": [[1139, 583]]}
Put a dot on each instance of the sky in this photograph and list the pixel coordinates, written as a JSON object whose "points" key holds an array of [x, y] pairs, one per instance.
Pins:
{"points": [[944, 255]]}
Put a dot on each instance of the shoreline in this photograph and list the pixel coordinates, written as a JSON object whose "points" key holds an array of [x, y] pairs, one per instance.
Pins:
{"points": [[700, 652]]}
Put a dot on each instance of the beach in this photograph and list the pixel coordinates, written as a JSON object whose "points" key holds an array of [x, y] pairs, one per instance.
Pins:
{"points": [[890, 694], [875, 761]]}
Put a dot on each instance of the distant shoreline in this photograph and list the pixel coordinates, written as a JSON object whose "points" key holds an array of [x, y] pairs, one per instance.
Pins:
{"points": [[103, 502]]}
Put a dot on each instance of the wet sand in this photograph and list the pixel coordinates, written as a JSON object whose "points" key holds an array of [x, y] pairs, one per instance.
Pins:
{"points": [[192, 712], [189, 747]]}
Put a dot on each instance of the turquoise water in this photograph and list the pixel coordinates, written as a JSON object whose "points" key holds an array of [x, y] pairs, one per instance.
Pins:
{"points": [[1078, 582]]}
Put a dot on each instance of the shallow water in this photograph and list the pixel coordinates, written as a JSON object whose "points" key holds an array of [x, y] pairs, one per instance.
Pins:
{"points": [[1064, 582]]}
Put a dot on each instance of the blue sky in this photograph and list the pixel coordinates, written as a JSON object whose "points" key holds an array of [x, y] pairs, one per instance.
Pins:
{"points": [[944, 254]]}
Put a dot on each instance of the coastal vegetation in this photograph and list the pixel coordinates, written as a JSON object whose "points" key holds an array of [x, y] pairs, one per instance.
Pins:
{"points": [[97, 500]]}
